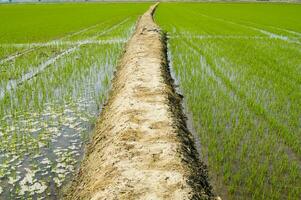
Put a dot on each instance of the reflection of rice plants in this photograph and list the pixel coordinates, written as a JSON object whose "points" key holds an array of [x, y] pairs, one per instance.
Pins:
{"points": [[50, 95], [239, 69]]}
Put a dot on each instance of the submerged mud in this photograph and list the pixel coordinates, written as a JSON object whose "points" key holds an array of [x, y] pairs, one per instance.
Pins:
{"points": [[142, 148]]}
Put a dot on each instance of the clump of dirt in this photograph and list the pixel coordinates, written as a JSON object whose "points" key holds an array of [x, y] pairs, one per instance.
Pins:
{"points": [[141, 148]]}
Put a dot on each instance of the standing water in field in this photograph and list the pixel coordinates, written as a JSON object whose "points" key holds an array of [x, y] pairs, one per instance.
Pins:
{"points": [[239, 68], [47, 117]]}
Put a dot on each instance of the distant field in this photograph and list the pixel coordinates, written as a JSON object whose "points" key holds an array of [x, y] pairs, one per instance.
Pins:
{"points": [[239, 67], [41, 22], [56, 65]]}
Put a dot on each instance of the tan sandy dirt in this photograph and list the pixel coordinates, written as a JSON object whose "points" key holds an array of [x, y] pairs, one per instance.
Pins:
{"points": [[141, 148]]}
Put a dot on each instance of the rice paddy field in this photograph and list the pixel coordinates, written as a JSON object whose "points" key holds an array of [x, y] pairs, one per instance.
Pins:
{"points": [[56, 65], [239, 68]]}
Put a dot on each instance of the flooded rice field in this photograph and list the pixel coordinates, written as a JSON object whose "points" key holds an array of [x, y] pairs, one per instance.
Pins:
{"points": [[50, 96]]}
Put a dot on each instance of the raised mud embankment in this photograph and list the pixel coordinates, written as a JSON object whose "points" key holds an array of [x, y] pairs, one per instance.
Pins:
{"points": [[141, 148]]}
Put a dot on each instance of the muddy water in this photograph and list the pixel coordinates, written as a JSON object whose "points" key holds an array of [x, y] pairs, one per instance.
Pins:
{"points": [[47, 114], [41, 150], [42, 143]]}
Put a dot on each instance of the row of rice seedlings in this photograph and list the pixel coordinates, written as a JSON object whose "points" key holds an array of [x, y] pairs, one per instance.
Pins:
{"points": [[243, 93], [108, 27], [46, 120], [12, 50], [54, 129], [120, 31], [205, 26], [274, 96], [286, 33], [239, 145], [40, 93], [8, 82], [8, 50], [15, 69], [284, 69], [277, 24]]}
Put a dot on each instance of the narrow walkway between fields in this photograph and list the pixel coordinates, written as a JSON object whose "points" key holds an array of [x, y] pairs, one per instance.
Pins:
{"points": [[142, 148]]}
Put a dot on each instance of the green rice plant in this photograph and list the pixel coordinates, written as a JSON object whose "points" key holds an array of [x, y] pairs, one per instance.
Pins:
{"points": [[52, 93], [238, 66], [62, 19]]}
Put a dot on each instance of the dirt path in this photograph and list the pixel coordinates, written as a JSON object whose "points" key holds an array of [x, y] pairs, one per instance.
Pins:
{"points": [[142, 148]]}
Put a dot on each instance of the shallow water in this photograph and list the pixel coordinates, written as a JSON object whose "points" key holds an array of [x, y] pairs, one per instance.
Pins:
{"points": [[40, 150], [46, 121]]}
